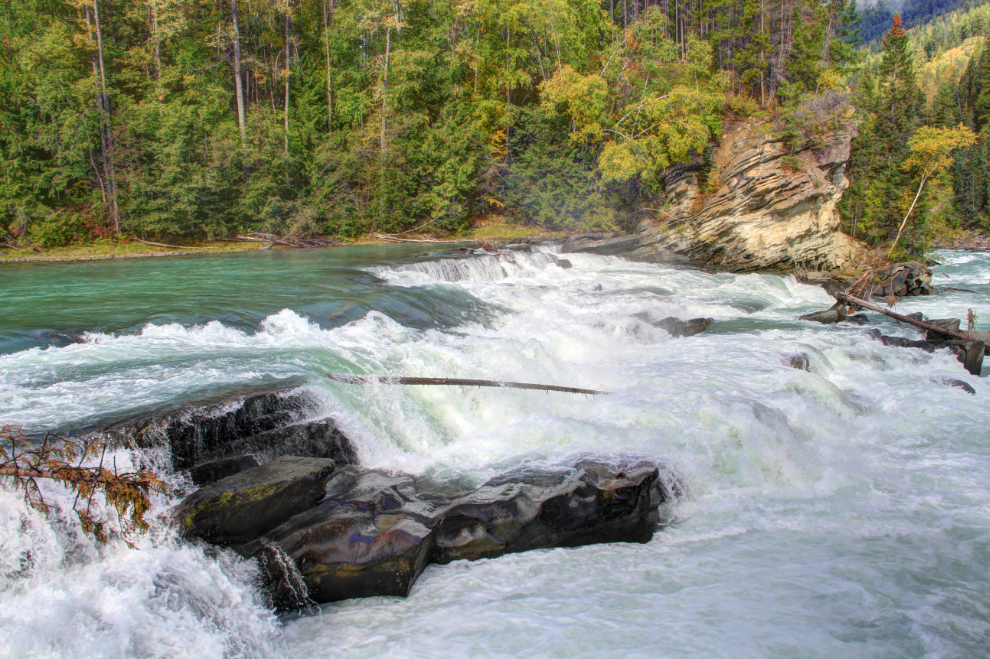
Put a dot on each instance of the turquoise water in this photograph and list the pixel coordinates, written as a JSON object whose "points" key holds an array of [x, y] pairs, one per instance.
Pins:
{"points": [[838, 512]]}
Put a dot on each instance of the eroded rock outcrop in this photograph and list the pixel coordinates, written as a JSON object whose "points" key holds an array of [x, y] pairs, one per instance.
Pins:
{"points": [[265, 424], [374, 533], [770, 206]]}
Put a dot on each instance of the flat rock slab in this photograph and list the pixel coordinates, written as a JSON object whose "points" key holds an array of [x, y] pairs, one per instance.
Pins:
{"points": [[374, 533], [239, 508]]}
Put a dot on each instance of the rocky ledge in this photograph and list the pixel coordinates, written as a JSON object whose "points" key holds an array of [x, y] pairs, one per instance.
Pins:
{"points": [[372, 533], [217, 438], [757, 204]]}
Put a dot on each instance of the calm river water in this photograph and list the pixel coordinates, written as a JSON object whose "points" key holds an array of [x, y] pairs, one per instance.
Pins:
{"points": [[841, 512]]}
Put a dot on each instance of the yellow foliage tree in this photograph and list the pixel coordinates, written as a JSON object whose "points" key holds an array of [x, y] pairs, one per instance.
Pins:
{"points": [[930, 154]]}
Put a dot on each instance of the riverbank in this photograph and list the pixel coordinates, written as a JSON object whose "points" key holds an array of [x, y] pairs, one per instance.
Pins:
{"points": [[105, 250]]}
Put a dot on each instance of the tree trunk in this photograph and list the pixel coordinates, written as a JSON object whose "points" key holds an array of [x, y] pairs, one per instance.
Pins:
{"points": [[238, 81], [924, 179], [327, 22], [103, 103], [288, 72], [383, 143], [374, 379], [158, 55]]}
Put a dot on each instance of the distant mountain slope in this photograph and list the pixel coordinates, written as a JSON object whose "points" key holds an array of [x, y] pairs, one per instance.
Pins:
{"points": [[876, 16]]}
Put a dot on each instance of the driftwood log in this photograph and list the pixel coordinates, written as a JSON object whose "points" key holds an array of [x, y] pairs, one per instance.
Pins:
{"points": [[148, 242], [373, 379], [287, 241], [857, 302]]}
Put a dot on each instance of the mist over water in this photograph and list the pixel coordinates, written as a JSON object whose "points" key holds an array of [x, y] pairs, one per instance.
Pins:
{"points": [[843, 511]]}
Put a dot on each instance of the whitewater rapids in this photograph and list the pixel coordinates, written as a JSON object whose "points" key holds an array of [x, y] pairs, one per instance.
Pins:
{"points": [[838, 512]]}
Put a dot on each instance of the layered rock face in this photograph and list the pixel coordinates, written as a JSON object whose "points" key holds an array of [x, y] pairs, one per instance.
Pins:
{"points": [[773, 207], [214, 439]]}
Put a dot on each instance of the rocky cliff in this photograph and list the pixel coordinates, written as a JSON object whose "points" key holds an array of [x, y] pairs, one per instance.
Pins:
{"points": [[764, 205]]}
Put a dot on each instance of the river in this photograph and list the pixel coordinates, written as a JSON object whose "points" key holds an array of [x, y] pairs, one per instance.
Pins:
{"points": [[838, 512]]}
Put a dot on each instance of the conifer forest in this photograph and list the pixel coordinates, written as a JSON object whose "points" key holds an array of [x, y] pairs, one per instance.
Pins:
{"points": [[186, 120]]}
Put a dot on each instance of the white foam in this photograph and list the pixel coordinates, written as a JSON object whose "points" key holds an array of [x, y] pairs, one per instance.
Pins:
{"points": [[823, 502]]}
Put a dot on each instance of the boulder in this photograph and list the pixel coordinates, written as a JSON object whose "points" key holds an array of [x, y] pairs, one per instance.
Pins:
{"points": [[266, 424], [945, 323], [827, 317], [902, 342], [374, 533], [239, 508], [564, 263], [589, 503], [211, 472], [969, 354], [858, 319]]}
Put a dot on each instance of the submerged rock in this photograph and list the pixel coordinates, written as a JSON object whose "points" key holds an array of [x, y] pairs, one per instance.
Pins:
{"points": [[799, 361], [969, 353], [959, 384], [827, 317], [858, 319], [239, 508], [675, 326], [374, 533]]}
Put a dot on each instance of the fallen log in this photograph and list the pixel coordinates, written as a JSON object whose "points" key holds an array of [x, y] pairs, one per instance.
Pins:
{"points": [[373, 379], [148, 242], [394, 238], [855, 301]]}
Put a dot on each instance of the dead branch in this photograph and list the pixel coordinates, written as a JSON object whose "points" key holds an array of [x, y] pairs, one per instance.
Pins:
{"points": [[855, 301], [287, 241], [58, 459], [394, 238], [374, 379], [148, 242]]}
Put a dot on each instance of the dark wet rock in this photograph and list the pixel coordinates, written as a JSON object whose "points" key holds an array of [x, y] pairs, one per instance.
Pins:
{"points": [[902, 342], [564, 263], [969, 354], [239, 508], [266, 424], [952, 382], [945, 323], [211, 472], [916, 316], [282, 584], [589, 503], [858, 319], [675, 326], [905, 280], [374, 533], [799, 361], [598, 287], [829, 316]]}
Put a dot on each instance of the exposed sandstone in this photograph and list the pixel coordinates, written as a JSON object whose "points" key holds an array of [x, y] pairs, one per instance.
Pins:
{"points": [[771, 206]]}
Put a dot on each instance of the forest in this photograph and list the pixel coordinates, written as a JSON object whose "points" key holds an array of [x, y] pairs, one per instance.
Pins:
{"points": [[199, 119]]}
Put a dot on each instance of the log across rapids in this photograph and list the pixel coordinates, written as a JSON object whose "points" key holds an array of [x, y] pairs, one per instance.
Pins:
{"points": [[460, 382]]}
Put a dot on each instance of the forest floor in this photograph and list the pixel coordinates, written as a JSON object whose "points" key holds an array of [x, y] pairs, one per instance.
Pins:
{"points": [[105, 249]]}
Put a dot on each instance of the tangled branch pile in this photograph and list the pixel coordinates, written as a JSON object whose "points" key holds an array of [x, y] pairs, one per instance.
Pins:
{"points": [[287, 241], [59, 459]]}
